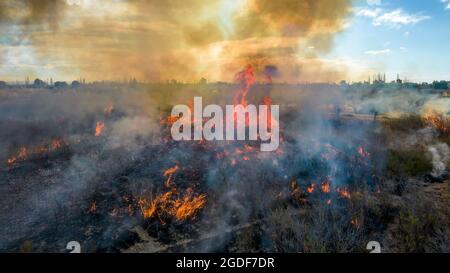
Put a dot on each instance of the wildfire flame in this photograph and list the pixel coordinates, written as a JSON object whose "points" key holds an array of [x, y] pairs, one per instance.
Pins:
{"points": [[437, 120], [168, 173], [344, 193], [246, 77], [172, 204], [23, 153], [171, 171], [355, 222], [99, 128], [169, 120], [325, 187], [11, 160]]}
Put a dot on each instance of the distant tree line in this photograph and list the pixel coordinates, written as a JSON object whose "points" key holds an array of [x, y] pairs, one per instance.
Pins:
{"points": [[38, 83]]}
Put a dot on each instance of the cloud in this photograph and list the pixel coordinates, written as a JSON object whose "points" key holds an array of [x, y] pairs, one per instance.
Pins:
{"points": [[395, 18], [371, 13], [379, 52], [446, 3], [398, 18]]}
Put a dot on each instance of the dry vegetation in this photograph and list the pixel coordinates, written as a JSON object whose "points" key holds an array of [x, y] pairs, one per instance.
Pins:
{"points": [[127, 190]]}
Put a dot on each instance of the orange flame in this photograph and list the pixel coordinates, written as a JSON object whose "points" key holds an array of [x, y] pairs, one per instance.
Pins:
{"points": [[437, 120], [170, 120], [325, 187], [171, 204], [311, 188], [355, 222], [23, 152], [186, 207], [21, 155], [11, 160], [99, 128], [246, 77], [168, 173], [344, 193]]}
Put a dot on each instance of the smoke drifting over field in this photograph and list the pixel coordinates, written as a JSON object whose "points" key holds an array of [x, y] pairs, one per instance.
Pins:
{"points": [[83, 159]]}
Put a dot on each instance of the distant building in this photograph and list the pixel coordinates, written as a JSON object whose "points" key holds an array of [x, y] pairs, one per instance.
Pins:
{"points": [[3, 85]]}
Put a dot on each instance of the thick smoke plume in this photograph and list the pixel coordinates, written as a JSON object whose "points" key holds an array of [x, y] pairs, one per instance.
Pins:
{"points": [[183, 40]]}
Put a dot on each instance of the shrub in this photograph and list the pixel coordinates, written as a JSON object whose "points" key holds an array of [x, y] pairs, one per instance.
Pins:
{"points": [[408, 162]]}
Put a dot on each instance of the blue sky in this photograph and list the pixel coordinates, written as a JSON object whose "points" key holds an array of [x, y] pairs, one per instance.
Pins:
{"points": [[410, 37]]}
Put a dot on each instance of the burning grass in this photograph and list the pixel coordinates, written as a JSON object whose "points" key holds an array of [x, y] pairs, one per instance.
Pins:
{"points": [[439, 121], [332, 186], [172, 204], [23, 153]]}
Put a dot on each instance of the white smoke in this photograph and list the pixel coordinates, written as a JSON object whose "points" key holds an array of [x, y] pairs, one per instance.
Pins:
{"points": [[441, 155]]}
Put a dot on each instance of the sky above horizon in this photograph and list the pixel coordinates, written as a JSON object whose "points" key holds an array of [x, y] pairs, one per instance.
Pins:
{"points": [[406, 37], [300, 41]]}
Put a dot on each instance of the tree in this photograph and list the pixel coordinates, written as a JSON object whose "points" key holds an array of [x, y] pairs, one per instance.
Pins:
{"points": [[38, 83]]}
